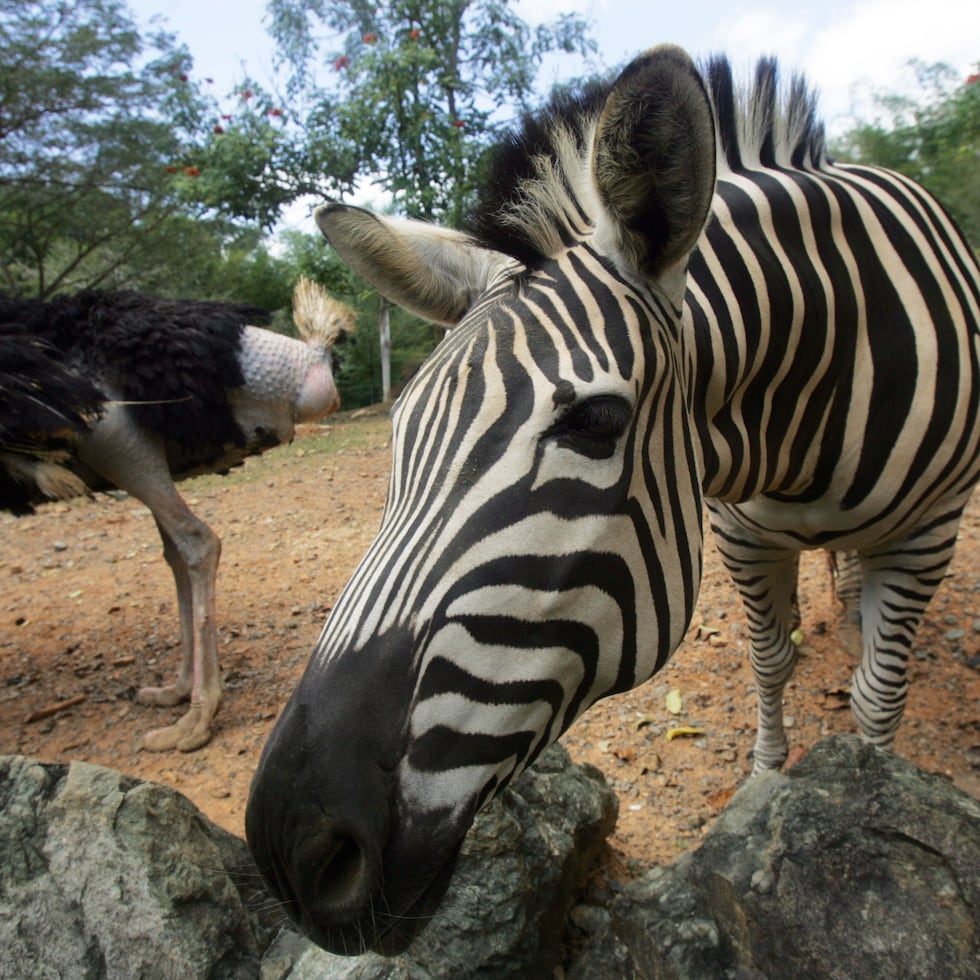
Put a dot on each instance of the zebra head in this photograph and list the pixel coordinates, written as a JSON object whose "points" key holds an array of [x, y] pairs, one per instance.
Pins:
{"points": [[540, 546]]}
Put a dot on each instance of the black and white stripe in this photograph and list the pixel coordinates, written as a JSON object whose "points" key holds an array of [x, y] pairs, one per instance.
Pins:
{"points": [[833, 319], [809, 364]]}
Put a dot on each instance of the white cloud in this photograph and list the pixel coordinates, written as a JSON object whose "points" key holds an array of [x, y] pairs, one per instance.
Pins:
{"points": [[871, 49], [851, 48]]}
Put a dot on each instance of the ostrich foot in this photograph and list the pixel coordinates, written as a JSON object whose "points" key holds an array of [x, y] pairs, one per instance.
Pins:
{"points": [[188, 734], [163, 697]]}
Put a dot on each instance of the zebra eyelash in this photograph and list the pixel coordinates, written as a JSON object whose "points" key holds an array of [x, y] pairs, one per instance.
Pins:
{"points": [[593, 426]]}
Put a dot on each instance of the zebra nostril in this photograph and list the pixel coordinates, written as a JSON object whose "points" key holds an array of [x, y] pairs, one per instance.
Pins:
{"points": [[337, 879], [343, 873]]}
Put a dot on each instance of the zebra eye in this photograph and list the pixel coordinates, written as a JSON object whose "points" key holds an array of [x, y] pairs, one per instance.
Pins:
{"points": [[592, 427]]}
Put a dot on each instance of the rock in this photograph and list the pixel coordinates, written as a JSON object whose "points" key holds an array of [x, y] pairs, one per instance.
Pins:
{"points": [[854, 865], [102, 875], [106, 876]]}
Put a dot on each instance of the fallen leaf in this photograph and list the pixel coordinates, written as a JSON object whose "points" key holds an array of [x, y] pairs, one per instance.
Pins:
{"points": [[796, 637], [719, 799], [675, 702], [643, 721], [683, 730]]}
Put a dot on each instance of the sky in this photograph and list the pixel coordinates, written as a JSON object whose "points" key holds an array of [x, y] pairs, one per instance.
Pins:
{"points": [[846, 48]]}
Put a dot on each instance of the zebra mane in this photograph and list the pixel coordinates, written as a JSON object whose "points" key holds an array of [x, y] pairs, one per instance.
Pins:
{"points": [[764, 124], [536, 195]]}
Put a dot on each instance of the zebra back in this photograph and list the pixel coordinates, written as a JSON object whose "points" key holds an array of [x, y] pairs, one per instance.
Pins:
{"points": [[826, 302]]}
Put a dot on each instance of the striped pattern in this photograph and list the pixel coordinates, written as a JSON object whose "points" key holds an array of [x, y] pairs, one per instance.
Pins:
{"points": [[479, 531], [814, 377], [833, 314], [827, 353]]}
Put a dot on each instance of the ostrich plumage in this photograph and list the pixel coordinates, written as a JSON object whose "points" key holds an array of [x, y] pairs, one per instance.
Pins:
{"points": [[44, 408], [120, 390]]}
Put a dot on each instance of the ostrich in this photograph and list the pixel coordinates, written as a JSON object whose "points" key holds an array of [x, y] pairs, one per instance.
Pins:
{"points": [[119, 390]]}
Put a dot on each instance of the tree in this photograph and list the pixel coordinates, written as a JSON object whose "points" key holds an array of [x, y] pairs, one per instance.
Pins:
{"points": [[254, 159], [98, 126], [414, 89], [409, 98], [933, 138]]}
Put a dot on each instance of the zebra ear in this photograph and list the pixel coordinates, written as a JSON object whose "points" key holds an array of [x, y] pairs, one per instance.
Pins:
{"points": [[653, 160], [434, 272]]}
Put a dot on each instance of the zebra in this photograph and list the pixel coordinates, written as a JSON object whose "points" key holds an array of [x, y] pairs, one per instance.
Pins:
{"points": [[668, 296]]}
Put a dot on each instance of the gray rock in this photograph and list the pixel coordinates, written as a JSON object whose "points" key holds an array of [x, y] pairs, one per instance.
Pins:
{"points": [[106, 876], [854, 865], [102, 875]]}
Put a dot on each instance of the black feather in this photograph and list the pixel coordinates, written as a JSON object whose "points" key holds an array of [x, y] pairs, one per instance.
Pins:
{"points": [[171, 361], [44, 407]]}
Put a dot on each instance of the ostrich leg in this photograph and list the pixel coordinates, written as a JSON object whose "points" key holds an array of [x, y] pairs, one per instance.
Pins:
{"points": [[192, 550], [124, 456]]}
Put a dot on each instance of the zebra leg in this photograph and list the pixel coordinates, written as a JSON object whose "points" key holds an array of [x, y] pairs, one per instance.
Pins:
{"points": [[766, 580], [845, 573], [899, 583]]}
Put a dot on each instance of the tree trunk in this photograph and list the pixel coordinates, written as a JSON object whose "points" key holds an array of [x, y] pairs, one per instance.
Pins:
{"points": [[384, 331]]}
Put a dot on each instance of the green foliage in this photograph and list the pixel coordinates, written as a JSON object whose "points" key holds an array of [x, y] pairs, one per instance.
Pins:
{"points": [[359, 356], [412, 92], [309, 256], [91, 115], [256, 158], [933, 138], [119, 168], [408, 96]]}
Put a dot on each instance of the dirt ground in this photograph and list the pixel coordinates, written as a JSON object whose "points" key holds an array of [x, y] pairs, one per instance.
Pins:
{"points": [[88, 615]]}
